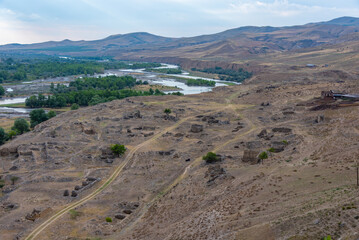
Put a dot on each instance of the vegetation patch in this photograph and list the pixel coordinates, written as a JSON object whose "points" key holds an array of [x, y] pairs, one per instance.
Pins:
{"points": [[227, 74]]}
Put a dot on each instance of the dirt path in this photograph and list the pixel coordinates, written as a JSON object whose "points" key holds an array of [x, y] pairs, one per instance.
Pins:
{"points": [[251, 127], [114, 175]]}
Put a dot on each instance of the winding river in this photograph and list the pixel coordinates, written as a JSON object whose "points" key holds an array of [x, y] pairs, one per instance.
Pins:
{"points": [[151, 77]]}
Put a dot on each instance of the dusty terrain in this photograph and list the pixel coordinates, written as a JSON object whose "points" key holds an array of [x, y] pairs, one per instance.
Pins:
{"points": [[62, 181], [162, 189]]}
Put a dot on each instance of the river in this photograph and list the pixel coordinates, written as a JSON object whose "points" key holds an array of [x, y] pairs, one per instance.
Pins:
{"points": [[141, 74]]}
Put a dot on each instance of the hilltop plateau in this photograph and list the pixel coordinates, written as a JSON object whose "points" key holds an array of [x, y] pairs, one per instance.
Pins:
{"points": [[285, 165]]}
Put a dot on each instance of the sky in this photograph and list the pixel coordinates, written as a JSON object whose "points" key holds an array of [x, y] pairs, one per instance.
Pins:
{"points": [[29, 21]]}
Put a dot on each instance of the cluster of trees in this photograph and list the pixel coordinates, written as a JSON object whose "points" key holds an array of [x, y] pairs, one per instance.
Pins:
{"points": [[2, 91], [22, 126], [38, 116], [227, 74], [22, 70], [108, 83], [165, 70], [16, 70], [90, 91], [200, 82]]}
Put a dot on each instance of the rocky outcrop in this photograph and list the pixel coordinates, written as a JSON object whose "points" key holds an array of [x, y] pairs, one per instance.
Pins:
{"points": [[215, 172], [282, 130], [33, 216], [196, 128]]}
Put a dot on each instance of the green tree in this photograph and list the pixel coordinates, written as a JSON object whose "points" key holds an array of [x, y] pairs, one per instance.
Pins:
{"points": [[3, 136], [118, 150], [51, 114], [2, 91], [37, 116], [263, 155], [75, 106], [12, 134], [210, 157], [14, 179], [167, 111], [21, 126]]}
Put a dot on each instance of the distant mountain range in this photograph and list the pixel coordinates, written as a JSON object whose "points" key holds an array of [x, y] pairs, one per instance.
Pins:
{"points": [[238, 43]]}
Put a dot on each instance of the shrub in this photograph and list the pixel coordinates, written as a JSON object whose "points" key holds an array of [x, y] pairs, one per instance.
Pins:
{"points": [[108, 219], [74, 214], [2, 91], [167, 111], [12, 134], [75, 106], [210, 157], [118, 149], [14, 179], [3, 136], [51, 114], [38, 116], [2, 183], [263, 155], [21, 126], [272, 150], [285, 142]]}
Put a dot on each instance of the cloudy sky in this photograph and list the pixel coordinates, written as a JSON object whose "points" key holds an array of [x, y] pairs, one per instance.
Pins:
{"points": [[28, 21]]}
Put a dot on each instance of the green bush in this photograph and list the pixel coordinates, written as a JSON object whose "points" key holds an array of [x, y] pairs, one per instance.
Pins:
{"points": [[14, 179], [272, 150], [12, 134], [108, 219], [118, 149], [210, 157], [21, 126], [74, 214], [51, 114], [167, 111], [2, 91], [75, 106], [263, 155], [3, 136]]}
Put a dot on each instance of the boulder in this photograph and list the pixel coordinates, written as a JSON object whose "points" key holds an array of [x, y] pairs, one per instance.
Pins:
{"points": [[282, 130], [148, 134], [89, 130], [66, 193], [263, 134], [33, 216], [127, 211], [13, 168], [319, 119], [278, 146], [120, 216], [166, 153], [91, 179], [196, 128]]}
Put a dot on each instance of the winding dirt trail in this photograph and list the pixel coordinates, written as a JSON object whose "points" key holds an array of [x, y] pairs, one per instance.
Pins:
{"points": [[104, 185], [249, 129]]}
